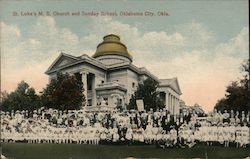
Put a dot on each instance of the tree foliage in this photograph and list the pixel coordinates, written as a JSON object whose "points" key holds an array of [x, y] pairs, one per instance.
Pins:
{"points": [[237, 95], [132, 103], [63, 93], [23, 98], [147, 91]]}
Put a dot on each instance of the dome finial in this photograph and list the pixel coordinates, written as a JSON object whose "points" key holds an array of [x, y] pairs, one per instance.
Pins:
{"points": [[111, 37]]}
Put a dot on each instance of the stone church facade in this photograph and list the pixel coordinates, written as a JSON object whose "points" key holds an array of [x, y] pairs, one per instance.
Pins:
{"points": [[110, 75]]}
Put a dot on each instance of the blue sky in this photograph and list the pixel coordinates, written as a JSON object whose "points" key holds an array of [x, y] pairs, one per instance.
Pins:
{"points": [[201, 42], [224, 17]]}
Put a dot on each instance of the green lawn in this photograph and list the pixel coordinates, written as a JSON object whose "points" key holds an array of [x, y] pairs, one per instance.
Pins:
{"points": [[74, 151]]}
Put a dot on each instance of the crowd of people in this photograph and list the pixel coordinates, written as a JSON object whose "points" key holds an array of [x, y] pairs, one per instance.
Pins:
{"points": [[126, 127]]}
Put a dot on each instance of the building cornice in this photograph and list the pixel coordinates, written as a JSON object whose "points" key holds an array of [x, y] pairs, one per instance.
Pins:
{"points": [[167, 85], [170, 84], [140, 71], [113, 87]]}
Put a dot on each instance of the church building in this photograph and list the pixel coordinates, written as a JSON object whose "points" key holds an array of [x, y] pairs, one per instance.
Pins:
{"points": [[110, 75]]}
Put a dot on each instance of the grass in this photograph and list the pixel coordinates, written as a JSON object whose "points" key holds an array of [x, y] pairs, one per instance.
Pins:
{"points": [[74, 151]]}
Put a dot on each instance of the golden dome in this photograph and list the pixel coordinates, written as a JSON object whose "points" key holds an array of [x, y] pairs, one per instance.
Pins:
{"points": [[111, 45]]}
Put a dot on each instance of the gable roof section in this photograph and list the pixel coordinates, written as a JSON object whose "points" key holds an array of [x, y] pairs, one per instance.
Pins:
{"points": [[172, 83], [72, 60], [60, 61]]}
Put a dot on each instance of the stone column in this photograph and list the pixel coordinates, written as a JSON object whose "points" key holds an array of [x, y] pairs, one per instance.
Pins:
{"points": [[112, 99], [166, 100], [172, 102], [169, 102], [174, 107], [123, 103], [93, 83], [85, 87], [178, 106]]}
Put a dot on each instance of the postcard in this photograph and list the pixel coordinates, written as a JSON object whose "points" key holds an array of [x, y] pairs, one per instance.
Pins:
{"points": [[124, 79]]}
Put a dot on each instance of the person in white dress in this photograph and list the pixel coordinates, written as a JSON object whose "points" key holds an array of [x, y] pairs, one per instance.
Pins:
{"points": [[238, 136], [129, 135], [155, 130], [214, 134], [141, 136], [115, 135], [226, 134], [148, 134], [245, 135], [173, 136], [232, 131], [103, 136], [220, 133], [205, 132]]}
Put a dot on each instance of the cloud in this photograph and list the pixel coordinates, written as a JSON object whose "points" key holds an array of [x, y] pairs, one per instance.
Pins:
{"points": [[27, 57], [51, 36], [197, 35], [10, 36], [9, 33], [236, 47]]}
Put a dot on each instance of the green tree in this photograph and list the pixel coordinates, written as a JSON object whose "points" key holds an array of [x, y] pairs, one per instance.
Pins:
{"points": [[147, 91], [23, 98], [237, 95], [65, 92], [132, 103], [222, 105]]}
